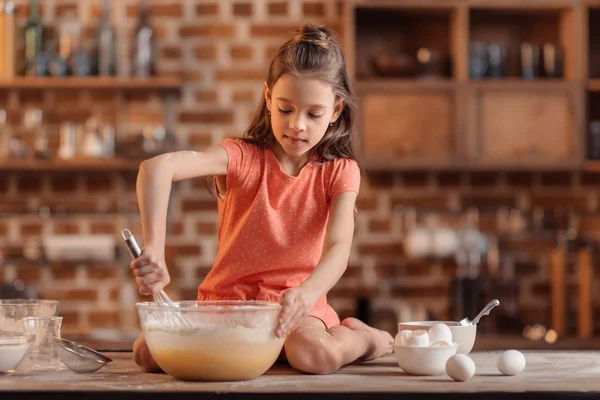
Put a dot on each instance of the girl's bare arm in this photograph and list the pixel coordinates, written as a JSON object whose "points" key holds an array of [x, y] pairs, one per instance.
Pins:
{"points": [[155, 179], [336, 249]]}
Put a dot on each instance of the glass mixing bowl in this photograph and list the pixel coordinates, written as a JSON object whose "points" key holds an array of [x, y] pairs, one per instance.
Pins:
{"points": [[212, 340], [13, 310]]}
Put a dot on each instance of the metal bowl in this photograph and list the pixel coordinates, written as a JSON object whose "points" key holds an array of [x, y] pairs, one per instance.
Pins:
{"points": [[80, 358]]}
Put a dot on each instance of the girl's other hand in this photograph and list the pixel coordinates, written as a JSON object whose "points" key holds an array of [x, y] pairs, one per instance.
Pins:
{"points": [[296, 302], [150, 271]]}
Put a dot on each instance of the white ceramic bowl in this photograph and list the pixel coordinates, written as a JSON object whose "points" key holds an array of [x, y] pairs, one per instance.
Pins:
{"points": [[424, 360], [463, 335]]}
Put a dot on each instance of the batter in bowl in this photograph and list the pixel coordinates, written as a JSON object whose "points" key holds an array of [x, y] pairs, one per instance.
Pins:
{"points": [[222, 355]]}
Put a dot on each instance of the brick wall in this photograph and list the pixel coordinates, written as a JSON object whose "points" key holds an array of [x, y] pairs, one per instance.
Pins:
{"points": [[222, 49]]}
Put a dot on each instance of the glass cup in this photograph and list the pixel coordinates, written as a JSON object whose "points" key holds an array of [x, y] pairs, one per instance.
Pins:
{"points": [[43, 355]]}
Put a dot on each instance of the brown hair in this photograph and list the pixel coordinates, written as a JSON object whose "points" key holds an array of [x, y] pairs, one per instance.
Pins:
{"points": [[313, 51]]}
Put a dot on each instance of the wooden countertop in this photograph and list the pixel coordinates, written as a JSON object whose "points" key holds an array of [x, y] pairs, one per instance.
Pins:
{"points": [[485, 342], [555, 374]]}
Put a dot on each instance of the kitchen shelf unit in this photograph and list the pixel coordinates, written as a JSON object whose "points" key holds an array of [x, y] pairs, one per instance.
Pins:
{"points": [[92, 83], [456, 120], [166, 86], [74, 165]]}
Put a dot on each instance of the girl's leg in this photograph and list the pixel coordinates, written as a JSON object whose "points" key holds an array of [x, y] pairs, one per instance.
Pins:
{"points": [[142, 356], [312, 349]]}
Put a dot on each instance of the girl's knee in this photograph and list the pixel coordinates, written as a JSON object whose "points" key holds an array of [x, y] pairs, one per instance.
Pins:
{"points": [[312, 356], [142, 356]]}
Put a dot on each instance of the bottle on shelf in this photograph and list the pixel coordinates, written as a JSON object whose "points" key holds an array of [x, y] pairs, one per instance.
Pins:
{"points": [[92, 142], [33, 38], [2, 40], [106, 56], [4, 137], [7, 39], [69, 34], [33, 123], [144, 51]]}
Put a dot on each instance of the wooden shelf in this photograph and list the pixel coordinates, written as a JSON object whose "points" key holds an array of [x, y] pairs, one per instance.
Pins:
{"points": [[594, 85], [592, 166], [433, 6], [405, 84], [92, 83], [515, 83], [458, 165], [399, 164], [592, 3], [91, 164], [536, 165], [436, 5], [520, 5], [448, 83]]}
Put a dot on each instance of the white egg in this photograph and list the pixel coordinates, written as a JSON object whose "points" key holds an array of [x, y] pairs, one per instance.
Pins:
{"points": [[511, 362], [418, 338], [460, 367], [399, 339], [440, 332], [439, 343]]}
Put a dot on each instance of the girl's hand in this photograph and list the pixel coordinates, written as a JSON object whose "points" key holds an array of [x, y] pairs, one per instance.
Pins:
{"points": [[296, 302], [150, 271]]}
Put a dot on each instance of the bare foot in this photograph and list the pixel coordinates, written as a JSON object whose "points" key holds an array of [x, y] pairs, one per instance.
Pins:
{"points": [[142, 356], [379, 342]]}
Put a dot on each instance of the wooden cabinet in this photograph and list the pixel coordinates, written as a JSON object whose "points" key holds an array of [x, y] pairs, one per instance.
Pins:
{"points": [[531, 127], [415, 126], [415, 115]]}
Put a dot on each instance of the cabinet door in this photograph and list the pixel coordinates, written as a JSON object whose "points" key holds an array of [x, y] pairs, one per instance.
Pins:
{"points": [[408, 127], [525, 126]]}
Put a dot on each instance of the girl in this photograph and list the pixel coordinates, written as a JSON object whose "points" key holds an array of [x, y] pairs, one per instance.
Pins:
{"points": [[286, 196]]}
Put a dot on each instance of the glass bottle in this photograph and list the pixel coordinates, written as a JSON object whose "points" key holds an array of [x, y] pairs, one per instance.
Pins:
{"points": [[4, 138], [105, 40], [144, 51], [33, 123], [33, 35]]}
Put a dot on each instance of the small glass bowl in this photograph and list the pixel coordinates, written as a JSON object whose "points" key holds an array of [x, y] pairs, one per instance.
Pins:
{"points": [[13, 350]]}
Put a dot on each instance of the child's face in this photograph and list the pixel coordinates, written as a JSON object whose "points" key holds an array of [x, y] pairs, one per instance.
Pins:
{"points": [[301, 111]]}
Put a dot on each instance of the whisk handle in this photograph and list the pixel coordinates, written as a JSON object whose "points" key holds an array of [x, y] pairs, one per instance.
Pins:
{"points": [[134, 248], [135, 251]]}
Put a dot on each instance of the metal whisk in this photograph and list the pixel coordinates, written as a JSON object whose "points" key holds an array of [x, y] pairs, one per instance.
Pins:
{"points": [[160, 297]]}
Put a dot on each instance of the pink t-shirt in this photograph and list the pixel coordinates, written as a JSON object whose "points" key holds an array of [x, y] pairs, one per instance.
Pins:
{"points": [[272, 225]]}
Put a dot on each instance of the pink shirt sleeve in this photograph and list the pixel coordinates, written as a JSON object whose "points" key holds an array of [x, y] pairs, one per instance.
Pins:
{"points": [[345, 177], [241, 156]]}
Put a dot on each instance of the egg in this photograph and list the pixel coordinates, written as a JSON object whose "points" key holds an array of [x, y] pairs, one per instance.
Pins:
{"points": [[511, 362], [399, 339], [460, 367], [418, 338], [439, 343], [440, 332]]}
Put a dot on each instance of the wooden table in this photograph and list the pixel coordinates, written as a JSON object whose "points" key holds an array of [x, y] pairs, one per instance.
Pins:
{"points": [[485, 342], [549, 374]]}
